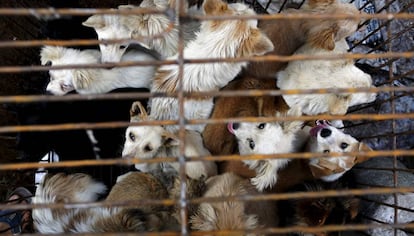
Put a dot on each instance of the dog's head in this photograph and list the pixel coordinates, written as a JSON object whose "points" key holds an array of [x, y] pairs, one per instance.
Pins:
{"points": [[324, 138], [62, 81], [144, 142], [109, 27], [247, 39], [323, 33], [266, 138], [145, 27]]}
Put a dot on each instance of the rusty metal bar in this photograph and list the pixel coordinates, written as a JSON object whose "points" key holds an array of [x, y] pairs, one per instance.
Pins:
{"points": [[131, 161]]}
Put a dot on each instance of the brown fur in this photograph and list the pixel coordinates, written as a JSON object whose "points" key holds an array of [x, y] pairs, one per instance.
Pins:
{"points": [[143, 186], [287, 36], [232, 215], [195, 189]]}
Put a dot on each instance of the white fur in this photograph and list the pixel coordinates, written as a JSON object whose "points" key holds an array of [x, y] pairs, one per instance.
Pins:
{"points": [[314, 74], [94, 81], [268, 138], [213, 41], [150, 30], [146, 142], [63, 189], [332, 144]]}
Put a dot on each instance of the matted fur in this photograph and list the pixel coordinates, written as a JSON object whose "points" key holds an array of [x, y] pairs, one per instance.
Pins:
{"points": [[268, 138], [90, 80], [216, 39], [314, 74], [146, 142], [232, 215], [155, 31], [287, 35]]}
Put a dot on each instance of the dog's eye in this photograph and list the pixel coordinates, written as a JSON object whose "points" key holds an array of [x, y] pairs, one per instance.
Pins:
{"points": [[326, 151], [131, 136], [122, 47], [261, 125], [344, 145], [251, 143]]}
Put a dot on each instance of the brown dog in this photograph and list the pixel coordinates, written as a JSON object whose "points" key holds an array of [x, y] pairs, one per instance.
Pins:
{"points": [[287, 36]]}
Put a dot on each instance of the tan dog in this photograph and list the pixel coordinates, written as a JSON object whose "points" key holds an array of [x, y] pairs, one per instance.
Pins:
{"points": [[287, 36], [232, 215], [216, 39]]}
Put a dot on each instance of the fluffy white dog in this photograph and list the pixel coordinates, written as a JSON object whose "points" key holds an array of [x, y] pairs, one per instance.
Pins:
{"points": [[268, 138], [151, 30], [315, 74], [216, 39], [146, 142], [93, 80]]}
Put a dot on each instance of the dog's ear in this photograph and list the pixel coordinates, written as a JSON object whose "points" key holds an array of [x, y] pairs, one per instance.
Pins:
{"points": [[257, 44], [95, 21], [323, 37], [293, 125], [81, 79], [213, 7], [170, 139], [138, 112], [363, 148], [51, 53]]}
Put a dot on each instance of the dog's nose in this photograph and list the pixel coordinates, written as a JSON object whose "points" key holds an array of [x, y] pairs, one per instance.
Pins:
{"points": [[325, 133], [236, 125], [48, 92]]}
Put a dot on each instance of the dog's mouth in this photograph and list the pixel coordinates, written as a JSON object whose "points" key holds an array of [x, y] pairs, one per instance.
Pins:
{"points": [[320, 124]]}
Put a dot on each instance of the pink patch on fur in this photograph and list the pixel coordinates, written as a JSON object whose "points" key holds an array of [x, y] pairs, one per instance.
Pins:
{"points": [[230, 127]]}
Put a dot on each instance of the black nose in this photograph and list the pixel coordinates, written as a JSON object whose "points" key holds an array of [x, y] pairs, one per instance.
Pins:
{"points": [[236, 126], [48, 93], [325, 133]]}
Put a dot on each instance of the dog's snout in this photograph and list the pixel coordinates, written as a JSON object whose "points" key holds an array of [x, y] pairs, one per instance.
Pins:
{"points": [[48, 92], [235, 126], [325, 133]]}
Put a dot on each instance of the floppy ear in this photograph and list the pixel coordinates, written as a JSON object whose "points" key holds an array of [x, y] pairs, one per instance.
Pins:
{"points": [[215, 7], [324, 38], [170, 139], [81, 79], [137, 112], [257, 44], [51, 53], [95, 21], [363, 148]]}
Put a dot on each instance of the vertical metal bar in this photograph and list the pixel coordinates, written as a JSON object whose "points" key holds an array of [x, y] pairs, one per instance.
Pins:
{"points": [[180, 9]]}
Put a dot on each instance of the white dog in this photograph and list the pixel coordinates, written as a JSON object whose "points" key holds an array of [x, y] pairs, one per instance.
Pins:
{"points": [[216, 39], [325, 138], [151, 30], [268, 138], [315, 74], [93, 80], [146, 142]]}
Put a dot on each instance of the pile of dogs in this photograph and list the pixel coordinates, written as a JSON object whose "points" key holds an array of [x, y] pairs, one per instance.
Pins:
{"points": [[239, 38]]}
